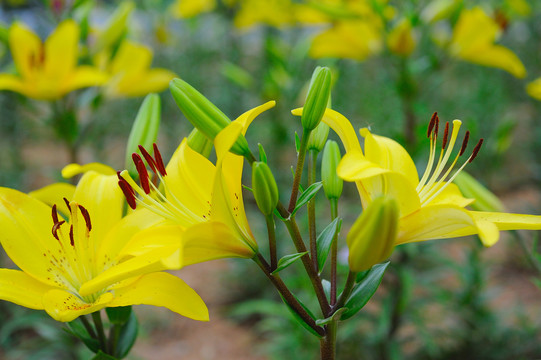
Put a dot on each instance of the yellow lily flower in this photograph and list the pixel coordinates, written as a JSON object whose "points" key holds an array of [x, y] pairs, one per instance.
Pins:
{"points": [[275, 13], [59, 254], [49, 70], [191, 8], [473, 40], [130, 71], [431, 207], [201, 203]]}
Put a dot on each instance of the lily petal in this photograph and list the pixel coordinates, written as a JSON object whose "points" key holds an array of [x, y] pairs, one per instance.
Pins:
{"points": [[163, 289], [61, 50], [21, 289], [64, 306], [71, 170], [53, 194], [13, 83], [25, 48]]}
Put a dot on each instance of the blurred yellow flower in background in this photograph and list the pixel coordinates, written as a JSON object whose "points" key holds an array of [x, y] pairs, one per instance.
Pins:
{"points": [[48, 71], [401, 40], [191, 8]]}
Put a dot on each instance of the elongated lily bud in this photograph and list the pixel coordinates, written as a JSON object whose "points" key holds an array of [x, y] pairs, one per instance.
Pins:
{"points": [[264, 187], [318, 137], [317, 98], [332, 183], [372, 237], [200, 143], [485, 200], [203, 114], [144, 130]]}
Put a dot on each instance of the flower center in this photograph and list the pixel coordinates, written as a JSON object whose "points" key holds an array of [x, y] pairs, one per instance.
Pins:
{"points": [[436, 176]]}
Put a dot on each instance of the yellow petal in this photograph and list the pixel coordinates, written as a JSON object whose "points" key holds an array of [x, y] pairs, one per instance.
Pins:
{"points": [[64, 306], [53, 194], [26, 49], [61, 50], [151, 239], [85, 76], [153, 80], [451, 195], [488, 232], [163, 289], [355, 166], [21, 289], [156, 260], [246, 119], [26, 237], [508, 221], [71, 170], [497, 56], [533, 89], [13, 83], [131, 59]]}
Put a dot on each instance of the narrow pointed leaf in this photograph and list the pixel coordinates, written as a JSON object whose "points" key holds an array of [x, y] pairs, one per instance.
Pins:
{"points": [[128, 335], [77, 329], [334, 316], [287, 260], [262, 154], [364, 290], [324, 242], [102, 356], [307, 195]]}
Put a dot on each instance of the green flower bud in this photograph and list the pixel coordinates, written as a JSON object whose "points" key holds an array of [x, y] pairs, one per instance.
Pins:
{"points": [[200, 143], [372, 237], [471, 188], [317, 98], [203, 114], [332, 183], [144, 130], [264, 187], [318, 137]]}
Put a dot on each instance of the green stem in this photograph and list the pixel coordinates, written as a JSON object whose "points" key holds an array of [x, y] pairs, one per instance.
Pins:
{"points": [[96, 316], [334, 252], [328, 342], [348, 288], [287, 295], [293, 229], [312, 167], [88, 326], [272, 241], [114, 334], [298, 171], [528, 252]]}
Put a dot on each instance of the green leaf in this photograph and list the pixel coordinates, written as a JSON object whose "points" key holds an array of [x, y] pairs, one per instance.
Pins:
{"points": [[102, 356], [335, 316], [324, 242], [118, 315], [326, 287], [262, 154], [127, 337], [364, 290], [307, 195], [77, 329], [287, 260], [299, 319]]}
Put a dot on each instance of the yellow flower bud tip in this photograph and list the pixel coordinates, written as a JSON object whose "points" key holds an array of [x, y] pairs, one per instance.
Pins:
{"points": [[434, 180], [318, 137], [332, 183], [317, 98], [372, 237], [264, 188]]}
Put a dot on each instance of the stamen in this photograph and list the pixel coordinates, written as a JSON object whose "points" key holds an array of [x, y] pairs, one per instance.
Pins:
{"points": [[142, 170], [437, 126], [475, 150], [464, 143], [56, 226], [54, 214], [72, 240], [159, 160], [67, 204], [86, 216], [445, 135], [431, 124], [148, 158], [128, 192]]}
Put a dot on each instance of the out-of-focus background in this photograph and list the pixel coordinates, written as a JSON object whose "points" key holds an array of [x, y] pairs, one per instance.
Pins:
{"points": [[394, 63]]}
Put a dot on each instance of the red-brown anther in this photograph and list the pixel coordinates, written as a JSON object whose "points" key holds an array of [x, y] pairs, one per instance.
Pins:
{"points": [[148, 158], [56, 226], [72, 240], [159, 160], [86, 215], [54, 214], [476, 150], [431, 124], [67, 204], [142, 170], [128, 192], [464, 143], [445, 135], [436, 126]]}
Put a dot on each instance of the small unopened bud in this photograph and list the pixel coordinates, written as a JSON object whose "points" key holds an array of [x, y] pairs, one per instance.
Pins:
{"points": [[144, 130], [203, 114], [371, 239], [200, 143], [264, 187], [318, 137], [317, 98], [332, 183], [401, 40], [485, 200]]}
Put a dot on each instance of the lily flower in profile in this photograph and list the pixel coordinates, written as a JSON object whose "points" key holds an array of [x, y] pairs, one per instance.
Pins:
{"points": [[48, 71], [200, 203], [430, 207], [60, 249], [473, 40], [130, 71]]}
